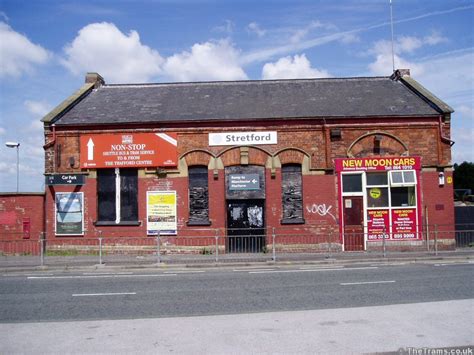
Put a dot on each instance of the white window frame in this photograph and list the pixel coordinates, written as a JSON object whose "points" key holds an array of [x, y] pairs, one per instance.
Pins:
{"points": [[353, 193], [403, 183]]}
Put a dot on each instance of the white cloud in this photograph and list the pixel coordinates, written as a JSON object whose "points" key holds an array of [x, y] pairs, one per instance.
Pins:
{"points": [[292, 68], [383, 65], [450, 76], [227, 27], [466, 111], [118, 57], [407, 44], [350, 38], [403, 45], [463, 150], [300, 33], [38, 109], [206, 61], [18, 54], [254, 27], [435, 38]]}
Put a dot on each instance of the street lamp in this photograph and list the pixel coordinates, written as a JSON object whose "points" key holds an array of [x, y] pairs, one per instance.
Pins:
{"points": [[17, 146]]}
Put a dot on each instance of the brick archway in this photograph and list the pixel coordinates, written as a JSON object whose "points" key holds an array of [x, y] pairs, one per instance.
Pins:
{"points": [[377, 144]]}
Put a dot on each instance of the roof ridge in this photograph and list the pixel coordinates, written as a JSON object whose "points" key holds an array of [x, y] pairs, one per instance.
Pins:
{"points": [[244, 82]]}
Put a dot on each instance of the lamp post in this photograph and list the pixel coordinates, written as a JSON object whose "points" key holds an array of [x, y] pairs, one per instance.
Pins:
{"points": [[17, 146]]}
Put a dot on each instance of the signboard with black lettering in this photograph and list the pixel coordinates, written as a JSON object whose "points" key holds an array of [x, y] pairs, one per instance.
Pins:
{"points": [[243, 138], [244, 182], [65, 179]]}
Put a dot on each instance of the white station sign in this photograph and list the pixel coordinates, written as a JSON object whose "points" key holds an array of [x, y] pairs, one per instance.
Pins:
{"points": [[243, 138]]}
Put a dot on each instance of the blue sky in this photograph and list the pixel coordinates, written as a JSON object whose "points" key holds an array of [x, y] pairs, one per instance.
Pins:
{"points": [[47, 46]]}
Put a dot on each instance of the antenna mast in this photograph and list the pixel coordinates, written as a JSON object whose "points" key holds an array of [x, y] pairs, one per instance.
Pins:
{"points": [[391, 26]]}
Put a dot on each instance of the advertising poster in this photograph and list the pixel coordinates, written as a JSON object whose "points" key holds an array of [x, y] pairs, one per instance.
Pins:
{"points": [[377, 223], [161, 213], [130, 150], [69, 213], [404, 223]]}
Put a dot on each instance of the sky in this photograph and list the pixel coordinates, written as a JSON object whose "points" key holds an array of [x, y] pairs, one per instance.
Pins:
{"points": [[47, 47]]}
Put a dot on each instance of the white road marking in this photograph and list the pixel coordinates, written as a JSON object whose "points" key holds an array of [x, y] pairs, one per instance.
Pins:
{"points": [[391, 264], [96, 276], [183, 272], [103, 294], [453, 264], [312, 270], [366, 283], [107, 273], [252, 269], [321, 267]]}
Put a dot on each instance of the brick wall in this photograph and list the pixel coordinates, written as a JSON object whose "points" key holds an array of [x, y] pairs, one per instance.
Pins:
{"points": [[298, 142], [19, 210], [438, 205], [21, 222]]}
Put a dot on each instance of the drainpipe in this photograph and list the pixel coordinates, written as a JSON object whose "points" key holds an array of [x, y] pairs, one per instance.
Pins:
{"points": [[45, 209], [326, 143], [53, 141], [443, 138]]}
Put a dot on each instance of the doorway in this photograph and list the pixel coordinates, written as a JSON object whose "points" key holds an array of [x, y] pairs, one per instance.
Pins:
{"points": [[245, 226], [353, 223]]}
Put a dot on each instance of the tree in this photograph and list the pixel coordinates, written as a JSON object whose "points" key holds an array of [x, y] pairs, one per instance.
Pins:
{"points": [[464, 176]]}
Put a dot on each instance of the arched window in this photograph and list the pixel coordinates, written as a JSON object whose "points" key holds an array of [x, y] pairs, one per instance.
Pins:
{"points": [[198, 195], [292, 194]]}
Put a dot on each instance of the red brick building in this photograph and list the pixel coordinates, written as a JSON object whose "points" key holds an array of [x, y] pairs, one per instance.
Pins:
{"points": [[354, 158]]}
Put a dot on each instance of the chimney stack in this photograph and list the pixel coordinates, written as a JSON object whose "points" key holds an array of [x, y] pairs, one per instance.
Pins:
{"points": [[403, 72], [94, 78], [400, 73]]}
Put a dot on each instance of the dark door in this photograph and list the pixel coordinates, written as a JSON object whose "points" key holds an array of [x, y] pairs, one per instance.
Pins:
{"points": [[353, 223], [245, 226]]}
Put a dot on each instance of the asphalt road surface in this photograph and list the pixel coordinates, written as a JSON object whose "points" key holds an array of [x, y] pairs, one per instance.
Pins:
{"points": [[105, 295]]}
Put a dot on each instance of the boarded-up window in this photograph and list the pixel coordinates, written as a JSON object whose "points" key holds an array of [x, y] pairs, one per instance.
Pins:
{"points": [[117, 204], [292, 194], [198, 195]]}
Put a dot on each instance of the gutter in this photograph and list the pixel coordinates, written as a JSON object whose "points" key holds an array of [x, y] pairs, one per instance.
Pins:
{"points": [[53, 141], [443, 138]]}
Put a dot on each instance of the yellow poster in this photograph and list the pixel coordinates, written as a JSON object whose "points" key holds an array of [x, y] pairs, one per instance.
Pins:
{"points": [[161, 213]]}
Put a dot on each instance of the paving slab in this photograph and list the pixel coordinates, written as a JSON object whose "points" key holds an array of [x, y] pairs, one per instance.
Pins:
{"points": [[391, 328]]}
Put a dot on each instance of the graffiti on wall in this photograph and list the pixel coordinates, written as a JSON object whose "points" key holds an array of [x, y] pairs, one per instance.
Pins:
{"points": [[320, 209]]}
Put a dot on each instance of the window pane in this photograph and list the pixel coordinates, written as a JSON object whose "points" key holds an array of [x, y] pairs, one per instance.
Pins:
{"points": [[377, 197], [197, 176], [409, 177], [403, 196], [397, 177], [128, 195], [377, 179], [352, 183], [292, 192], [106, 194], [198, 194]]}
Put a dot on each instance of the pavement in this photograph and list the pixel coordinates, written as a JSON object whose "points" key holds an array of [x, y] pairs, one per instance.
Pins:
{"points": [[87, 262], [404, 328]]}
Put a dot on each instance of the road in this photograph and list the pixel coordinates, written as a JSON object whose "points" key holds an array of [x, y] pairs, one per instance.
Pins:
{"points": [[106, 295]]}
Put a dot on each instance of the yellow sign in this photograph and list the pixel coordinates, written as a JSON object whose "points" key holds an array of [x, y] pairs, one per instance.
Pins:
{"points": [[375, 193], [161, 213], [449, 180]]}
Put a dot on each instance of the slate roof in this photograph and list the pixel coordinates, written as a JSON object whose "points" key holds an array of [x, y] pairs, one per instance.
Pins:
{"points": [[249, 100]]}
